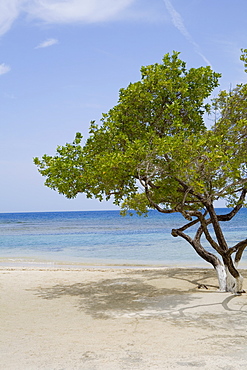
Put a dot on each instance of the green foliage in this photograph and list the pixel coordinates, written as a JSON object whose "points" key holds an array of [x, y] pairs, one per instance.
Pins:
{"points": [[243, 57], [153, 150]]}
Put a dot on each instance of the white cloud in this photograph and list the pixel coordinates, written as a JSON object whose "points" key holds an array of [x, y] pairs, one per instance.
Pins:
{"points": [[76, 11], [178, 22], [47, 43], [66, 11], [9, 11], [4, 68]]}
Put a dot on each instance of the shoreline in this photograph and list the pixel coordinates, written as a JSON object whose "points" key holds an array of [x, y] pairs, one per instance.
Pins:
{"points": [[32, 263], [120, 269]]}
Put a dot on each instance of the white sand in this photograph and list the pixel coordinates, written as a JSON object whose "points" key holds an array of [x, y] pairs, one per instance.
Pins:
{"points": [[117, 319]]}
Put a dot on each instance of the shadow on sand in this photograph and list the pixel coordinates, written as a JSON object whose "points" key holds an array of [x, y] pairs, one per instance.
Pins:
{"points": [[136, 292], [123, 295]]}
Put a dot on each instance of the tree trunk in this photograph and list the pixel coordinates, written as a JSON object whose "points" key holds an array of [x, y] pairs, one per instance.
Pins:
{"points": [[229, 278], [227, 282], [233, 284], [221, 275]]}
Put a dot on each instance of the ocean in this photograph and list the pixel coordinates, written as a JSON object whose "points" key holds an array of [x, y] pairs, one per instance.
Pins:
{"points": [[102, 238]]}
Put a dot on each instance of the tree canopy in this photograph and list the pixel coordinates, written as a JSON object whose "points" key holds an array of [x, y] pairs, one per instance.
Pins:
{"points": [[153, 150]]}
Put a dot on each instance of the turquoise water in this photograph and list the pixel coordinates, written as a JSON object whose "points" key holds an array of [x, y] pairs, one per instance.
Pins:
{"points": [[102, 237]]}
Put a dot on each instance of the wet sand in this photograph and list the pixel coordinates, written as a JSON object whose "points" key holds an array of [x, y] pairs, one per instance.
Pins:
{"points": [[105, 319]]}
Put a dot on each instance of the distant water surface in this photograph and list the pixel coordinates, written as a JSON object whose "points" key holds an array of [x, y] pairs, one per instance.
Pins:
{"points": [[102, 237]]}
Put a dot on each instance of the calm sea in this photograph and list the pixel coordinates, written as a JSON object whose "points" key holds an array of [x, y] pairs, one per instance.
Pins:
{"points": [[102, 238]]}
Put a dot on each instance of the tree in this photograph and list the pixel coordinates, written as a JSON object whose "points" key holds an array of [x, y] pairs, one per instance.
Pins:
{"points": [[153, 150]]}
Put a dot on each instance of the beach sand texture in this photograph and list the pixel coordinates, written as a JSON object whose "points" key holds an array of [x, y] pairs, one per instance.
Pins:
{"points": [[106, 318]]}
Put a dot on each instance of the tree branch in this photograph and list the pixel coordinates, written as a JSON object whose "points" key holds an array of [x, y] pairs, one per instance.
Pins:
{"points": [[207, 256], [235, 210], [155, 205], [204, 224], [239, 248], [217, 229], [223, 192], [190, 190]]}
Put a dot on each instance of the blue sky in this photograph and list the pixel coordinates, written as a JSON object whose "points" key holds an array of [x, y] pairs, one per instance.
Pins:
{"points": [[63, 62]]}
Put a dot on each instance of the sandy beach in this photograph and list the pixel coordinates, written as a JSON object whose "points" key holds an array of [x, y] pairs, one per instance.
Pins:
{"points": [[108, 318]]}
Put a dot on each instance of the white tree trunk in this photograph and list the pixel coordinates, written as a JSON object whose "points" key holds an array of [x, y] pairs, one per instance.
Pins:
{"points": [[228, 283], [234, 285], [221, 274]]}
